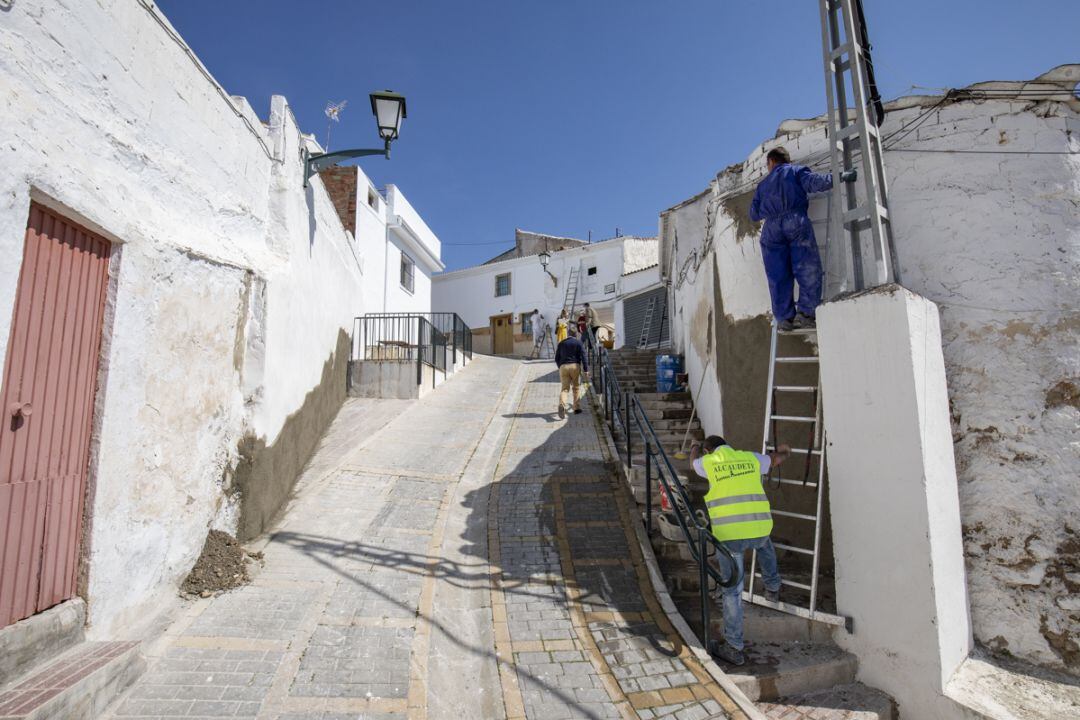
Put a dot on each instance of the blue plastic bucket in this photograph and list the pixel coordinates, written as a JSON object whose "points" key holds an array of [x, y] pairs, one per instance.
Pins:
{"points": [[667, 367]]}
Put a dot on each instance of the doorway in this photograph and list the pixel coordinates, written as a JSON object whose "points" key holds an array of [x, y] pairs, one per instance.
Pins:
{"points": [[47, 401], [502, 332]]}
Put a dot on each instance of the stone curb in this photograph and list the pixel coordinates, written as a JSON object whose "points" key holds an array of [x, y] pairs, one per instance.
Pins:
{"points": [[668, 605]]}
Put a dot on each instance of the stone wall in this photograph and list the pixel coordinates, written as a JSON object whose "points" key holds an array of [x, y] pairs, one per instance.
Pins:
{"points": [[992, 236]]}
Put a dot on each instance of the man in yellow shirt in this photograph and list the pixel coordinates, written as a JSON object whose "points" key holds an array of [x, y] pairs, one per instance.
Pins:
{"points": [[741, 520]]}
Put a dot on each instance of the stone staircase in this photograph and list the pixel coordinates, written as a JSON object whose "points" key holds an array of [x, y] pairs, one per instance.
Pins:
{"points": [[794, 668]]}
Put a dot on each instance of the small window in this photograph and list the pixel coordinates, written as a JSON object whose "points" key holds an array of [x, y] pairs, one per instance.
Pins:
{"points": [[591, 271], [408, 272], [373, 199], [502, 285], [526, 323]]}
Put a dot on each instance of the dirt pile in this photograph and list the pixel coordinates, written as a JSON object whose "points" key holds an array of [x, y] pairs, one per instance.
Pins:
{"points": [[223, 565]]}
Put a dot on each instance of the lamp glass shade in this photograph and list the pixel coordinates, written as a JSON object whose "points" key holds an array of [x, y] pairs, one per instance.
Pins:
{"points": [[544, 257], [389, 110]]}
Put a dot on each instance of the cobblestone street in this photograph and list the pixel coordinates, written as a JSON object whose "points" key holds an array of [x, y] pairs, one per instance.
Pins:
{"points": [[465, 556]]}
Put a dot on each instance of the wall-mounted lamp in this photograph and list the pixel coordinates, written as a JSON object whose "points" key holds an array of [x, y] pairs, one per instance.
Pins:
{"points": [[389, 110], [545, 258]]}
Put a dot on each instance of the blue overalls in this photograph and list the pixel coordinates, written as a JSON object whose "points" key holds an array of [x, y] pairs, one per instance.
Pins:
{"points": [[788, 246]]}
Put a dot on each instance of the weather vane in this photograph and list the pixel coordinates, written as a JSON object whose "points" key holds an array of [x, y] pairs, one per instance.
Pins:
{"points": [[333, 113]]}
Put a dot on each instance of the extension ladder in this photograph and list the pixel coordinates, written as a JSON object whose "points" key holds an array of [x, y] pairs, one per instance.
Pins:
{"points": [[804, 428], [846, 52], [571, 294], [646, 325]]}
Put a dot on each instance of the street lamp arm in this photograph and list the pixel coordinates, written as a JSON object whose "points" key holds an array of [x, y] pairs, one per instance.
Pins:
{"points": [[314, 163]]}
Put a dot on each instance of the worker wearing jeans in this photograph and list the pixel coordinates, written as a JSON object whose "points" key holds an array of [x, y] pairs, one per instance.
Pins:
{"points": [[741, 520], [788, 246], [572, 362]]}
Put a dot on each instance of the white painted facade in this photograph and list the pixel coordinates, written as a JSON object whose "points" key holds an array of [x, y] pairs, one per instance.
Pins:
{"points": [[993, 238], [891, 468], [471, 292], [230, 283]]}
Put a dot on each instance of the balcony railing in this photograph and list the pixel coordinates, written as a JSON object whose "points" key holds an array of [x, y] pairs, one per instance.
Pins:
{"points": [[431, 339]]}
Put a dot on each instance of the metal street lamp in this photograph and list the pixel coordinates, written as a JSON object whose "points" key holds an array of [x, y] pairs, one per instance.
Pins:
{"points": [[545, 258], [388, 107]]}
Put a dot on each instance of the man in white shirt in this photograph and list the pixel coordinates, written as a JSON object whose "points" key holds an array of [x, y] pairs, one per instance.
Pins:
{"points": [[538, 322]]}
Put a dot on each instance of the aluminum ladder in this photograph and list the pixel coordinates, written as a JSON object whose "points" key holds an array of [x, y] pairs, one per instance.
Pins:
{"points": [[545, 339], [646, 324], [846, 53], [811, 473], [571, 294]]}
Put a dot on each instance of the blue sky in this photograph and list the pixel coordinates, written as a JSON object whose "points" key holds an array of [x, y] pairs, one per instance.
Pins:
{"points": [[564, 117]]}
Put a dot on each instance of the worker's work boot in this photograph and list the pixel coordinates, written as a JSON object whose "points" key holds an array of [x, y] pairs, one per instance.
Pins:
{"points": [[785, 325], [804, 322], [723, 651], [772, 595]]}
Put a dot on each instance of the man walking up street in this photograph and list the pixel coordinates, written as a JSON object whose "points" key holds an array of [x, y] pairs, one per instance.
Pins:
{"points": [[741, 520], [572, 363], [788, 246]]}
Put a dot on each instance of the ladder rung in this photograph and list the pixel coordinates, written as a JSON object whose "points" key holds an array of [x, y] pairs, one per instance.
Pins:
{"points": [[863, 212], [784, 581], [797, 516], [800, 451], [792, 548], [793, 418], [797, 359], [787, 481], [849, 130], [795, 388], [840, 51]]}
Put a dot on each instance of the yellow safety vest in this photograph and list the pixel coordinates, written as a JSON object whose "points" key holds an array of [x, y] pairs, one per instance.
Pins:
{"points": [[737, 504]]}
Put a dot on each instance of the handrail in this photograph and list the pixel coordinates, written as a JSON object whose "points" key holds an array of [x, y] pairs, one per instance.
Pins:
{"points": [[627, 410], [405, 337]]}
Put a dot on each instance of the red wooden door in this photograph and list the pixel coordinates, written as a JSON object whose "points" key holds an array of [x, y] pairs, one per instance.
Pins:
{"points": [[46, 409]]}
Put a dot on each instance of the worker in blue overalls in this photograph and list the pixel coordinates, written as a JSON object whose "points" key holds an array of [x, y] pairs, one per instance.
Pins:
{"points": [[788, 246]]}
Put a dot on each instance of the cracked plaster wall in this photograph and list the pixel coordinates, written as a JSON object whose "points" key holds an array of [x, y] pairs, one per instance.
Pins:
{"points": [[994, 240], [231, 285]]}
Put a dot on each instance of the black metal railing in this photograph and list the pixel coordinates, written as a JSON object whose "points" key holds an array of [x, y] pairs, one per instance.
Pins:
{"points": [[401, 337], [451, 325], [624, 411]]}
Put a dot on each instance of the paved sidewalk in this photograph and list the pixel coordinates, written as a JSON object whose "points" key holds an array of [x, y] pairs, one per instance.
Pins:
{"points": [[464, 556]]}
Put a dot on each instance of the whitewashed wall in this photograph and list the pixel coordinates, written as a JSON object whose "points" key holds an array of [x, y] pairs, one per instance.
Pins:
{"points": [[230, 286], [994, 240], [471, 292], [409, 234]]}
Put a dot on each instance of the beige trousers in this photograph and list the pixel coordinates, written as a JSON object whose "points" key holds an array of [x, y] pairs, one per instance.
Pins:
{"points": [[569, 375]]}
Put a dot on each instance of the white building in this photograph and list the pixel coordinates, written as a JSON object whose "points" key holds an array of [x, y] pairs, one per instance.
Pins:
{"points": [[497, 298], [983, 199], [394, 242], [214, 309]]}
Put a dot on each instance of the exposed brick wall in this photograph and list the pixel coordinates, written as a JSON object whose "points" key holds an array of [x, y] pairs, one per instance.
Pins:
{"points": [[340, 183]]}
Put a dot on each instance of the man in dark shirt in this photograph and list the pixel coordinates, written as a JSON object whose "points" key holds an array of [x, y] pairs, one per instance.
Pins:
{"points": [[571, 361]]}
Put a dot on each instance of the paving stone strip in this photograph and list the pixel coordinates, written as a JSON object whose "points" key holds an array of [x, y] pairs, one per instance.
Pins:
{"points": [[572, 601], [478, 497]]}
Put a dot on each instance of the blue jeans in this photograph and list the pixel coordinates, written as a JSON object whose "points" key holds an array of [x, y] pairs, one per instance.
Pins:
{"points": [[766, 560]]}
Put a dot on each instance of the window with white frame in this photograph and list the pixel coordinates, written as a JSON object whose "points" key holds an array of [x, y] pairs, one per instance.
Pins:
{"points": [[502, 285], [408, 272]]}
